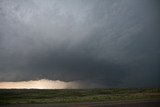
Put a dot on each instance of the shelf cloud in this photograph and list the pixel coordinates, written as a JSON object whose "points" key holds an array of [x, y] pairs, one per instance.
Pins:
{"points": [[107, 43]]}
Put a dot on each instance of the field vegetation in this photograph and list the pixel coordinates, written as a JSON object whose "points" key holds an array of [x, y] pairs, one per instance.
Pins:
{"points": [[35, 96]]}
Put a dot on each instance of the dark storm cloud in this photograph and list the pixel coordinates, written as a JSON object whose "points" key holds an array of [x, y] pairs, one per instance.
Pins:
{"points": [[110, 43]]}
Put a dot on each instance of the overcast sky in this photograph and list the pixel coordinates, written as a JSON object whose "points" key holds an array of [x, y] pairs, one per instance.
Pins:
{"points": [[111, 43]]}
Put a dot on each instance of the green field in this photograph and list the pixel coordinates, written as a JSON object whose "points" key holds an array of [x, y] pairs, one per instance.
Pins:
{"points": [[33, 96]]}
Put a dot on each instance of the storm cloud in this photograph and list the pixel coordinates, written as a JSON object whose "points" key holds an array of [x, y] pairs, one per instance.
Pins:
{"points": [[111, 43]]}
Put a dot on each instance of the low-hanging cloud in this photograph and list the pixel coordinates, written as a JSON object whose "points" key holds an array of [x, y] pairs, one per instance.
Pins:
{"points": [[39, 84], [108, 43], [48, 84]]}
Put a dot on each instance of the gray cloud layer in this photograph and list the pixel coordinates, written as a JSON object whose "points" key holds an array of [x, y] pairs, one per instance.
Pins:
{"points": [[108, 42]]}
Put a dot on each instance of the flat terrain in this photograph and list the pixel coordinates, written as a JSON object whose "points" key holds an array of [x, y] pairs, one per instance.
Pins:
{"points": [[122, 104], [34, 96]]}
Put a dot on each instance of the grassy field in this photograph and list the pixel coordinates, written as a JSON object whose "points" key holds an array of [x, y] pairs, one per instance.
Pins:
{"points": [[34, 96]]}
